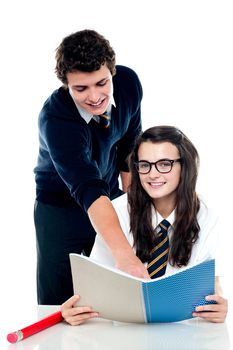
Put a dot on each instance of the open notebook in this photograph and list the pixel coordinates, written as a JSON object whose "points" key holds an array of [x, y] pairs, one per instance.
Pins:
{"points": [[122, 297]]}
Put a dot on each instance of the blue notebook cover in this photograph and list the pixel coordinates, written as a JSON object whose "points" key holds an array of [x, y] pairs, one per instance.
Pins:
{"points": [[174, 298], [122, 297]]}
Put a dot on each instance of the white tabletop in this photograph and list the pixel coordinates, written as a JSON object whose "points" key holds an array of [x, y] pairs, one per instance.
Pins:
{"points": [[103, 334]]}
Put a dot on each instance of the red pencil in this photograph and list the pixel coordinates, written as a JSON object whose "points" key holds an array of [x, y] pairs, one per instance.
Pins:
{"points": [[35, 327]]}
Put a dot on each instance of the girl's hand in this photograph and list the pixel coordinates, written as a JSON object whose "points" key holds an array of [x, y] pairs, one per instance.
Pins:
{"points": [[76, 315], [213, 312]]}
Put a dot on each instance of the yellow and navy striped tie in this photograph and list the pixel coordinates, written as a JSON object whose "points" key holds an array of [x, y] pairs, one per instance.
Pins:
{"points": [[159, 255], [104, 119]]}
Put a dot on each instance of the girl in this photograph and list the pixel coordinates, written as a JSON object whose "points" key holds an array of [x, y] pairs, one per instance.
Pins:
{"points": [[164, 168]]}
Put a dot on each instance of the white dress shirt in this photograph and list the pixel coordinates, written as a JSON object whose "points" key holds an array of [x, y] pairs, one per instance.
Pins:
{"points": [[205, 247]]}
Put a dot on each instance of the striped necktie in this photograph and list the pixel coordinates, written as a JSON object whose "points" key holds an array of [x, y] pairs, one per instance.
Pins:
{"points": [[104, 119], [159, 255]]}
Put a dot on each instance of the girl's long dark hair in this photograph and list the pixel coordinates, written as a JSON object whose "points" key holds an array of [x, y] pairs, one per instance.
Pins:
{"points": [[186, 227]]}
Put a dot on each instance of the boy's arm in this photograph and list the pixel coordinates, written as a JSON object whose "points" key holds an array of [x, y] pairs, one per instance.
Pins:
{"points": [[125, 180], [106, 223]]}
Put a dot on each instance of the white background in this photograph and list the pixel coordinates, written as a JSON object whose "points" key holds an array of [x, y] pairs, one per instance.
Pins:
{"points": [[182, 52]]}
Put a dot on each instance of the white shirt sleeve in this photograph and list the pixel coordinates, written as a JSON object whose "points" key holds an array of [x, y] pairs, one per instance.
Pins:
{"points": [[207, 245]]}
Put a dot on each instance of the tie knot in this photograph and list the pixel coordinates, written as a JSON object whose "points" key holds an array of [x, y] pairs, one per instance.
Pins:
{"points": [[164, 225], [104, 119]]}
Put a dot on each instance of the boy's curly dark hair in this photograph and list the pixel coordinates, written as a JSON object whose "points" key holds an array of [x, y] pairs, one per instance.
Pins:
{"points": [[86, 51]]}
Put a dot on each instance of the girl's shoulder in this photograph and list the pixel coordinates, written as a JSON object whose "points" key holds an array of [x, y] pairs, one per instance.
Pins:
{"points": [[120, 201], [207, 213], [120, 204]]}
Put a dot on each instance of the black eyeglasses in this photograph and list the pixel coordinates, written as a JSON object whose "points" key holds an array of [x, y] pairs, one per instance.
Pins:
{"points": [[162, 166]]}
